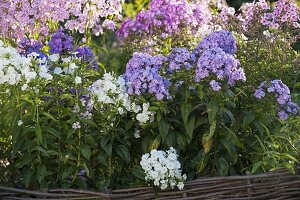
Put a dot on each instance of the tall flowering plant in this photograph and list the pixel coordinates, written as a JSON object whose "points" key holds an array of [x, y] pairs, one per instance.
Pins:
{"points": [[197, 95], [60, 112], [220, 87], [28, 18], [165, 22]]}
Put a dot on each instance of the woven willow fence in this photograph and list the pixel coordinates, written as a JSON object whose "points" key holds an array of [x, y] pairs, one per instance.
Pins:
{"points": [[276, 185]]}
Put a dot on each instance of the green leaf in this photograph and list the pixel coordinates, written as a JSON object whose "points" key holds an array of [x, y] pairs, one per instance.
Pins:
{"points": [[86, 169], [155, 144], [53, 132], [189, 127], [248, 118], [102, 158], [138, 172], [186, 109], [27, 175], [222, 166], [212, 110], [66, 172], [40, 149], [17, 140], [70, 133], [49, 116], [181, 141], [229, 113], [66, 96], [171, 139], [89, 122], [40, 172], [85, 151], [290, 157], [123, 152], [256, 166], [233, 137], [53, 153], [231, 150], [106, 145], [163, 128], [26, 159], [202, 160], [207, 140], [290, 167], [38, 132]]}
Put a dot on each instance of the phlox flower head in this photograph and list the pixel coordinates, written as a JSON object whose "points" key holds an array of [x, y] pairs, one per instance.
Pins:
{"points": [[180, 58], [284, 12], [142, 76], [23, 17], [165, 18], [15, 67], [163, 168], [87, 56], [222, 65], [219, 39], [31, 46], [282, 94], [60, 42]]}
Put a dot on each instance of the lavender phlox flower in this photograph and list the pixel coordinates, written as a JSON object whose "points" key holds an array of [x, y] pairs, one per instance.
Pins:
{"points": [[216, 62], [259, 93], [283, 115], [179, 58], [35, 17], [215, 85], [251, 12], [165, 18], [31, 46], [222, 39], [142, 76], [88, 56], [282, 95], [60, 42], [285, 11]]}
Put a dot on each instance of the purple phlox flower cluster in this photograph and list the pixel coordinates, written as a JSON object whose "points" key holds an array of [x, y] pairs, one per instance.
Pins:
{"points": [[283, 97], [216, 57], [180, 58], [88, 56], [285, 11], [216, 62], [31, 46], [19, 17], [226, 14], [251, 12], [222, 39], [60, 42], [165, 18], [216, 86], [142, 76]]}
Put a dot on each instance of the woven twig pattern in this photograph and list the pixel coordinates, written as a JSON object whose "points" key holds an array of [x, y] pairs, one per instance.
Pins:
{"points": [[277, 185]]}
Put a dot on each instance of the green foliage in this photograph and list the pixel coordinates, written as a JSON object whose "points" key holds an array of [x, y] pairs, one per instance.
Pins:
{"points": [[216, 133]]}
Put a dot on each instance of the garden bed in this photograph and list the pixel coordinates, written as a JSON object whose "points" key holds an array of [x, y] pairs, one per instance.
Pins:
{"points": [[281, 184], [105, 95]]}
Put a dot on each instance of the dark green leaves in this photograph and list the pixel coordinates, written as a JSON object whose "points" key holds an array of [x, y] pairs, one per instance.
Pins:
{"points": [[123, 152], [163, 128], [212, 110], [85, 151]]}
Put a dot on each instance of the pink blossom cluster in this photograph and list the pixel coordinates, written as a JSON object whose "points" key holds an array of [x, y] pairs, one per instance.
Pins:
{"points": [[285, 11], [30, 17], [250, 12], [165, 18]]}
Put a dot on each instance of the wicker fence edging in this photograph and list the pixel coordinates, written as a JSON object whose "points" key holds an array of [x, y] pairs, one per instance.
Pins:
{"points": [[280, 184]]}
